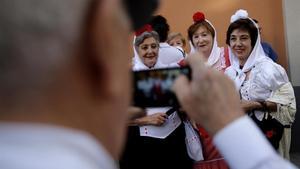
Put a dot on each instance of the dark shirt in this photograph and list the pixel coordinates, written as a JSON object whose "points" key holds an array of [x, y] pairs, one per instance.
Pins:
{"points": [[269, 51]]}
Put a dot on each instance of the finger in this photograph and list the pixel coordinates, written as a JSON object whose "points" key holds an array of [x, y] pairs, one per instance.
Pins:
{"points": [[162, 117], [161, 114], [160, 122], [182, 89], [197, 64], [165, 116]]}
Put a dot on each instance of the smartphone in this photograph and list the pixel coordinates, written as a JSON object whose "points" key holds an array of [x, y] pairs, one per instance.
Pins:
{"points": [[152, 88]]}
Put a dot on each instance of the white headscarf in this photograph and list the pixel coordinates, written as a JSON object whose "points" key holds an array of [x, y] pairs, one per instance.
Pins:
{"points": [[257, 54], [138, 63], [215, 51]]}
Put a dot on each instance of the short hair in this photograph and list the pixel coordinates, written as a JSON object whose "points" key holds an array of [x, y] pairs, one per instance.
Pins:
{"points": [[36, 36], [161, 26], [246, 25], [193, 28], [173, 35], [140, 39]]}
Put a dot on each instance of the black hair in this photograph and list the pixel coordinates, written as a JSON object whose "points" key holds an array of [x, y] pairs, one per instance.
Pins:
{"points": [[246, 25], [161, 26], [140, 12]]}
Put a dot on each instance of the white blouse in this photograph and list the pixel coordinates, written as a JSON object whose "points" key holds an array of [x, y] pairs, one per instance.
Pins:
{"points": [[264, 78], [169, 54]]}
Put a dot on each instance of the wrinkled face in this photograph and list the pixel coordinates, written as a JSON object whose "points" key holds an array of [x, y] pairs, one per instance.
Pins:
{"points": [[148, 51], [177, 41], [203, 40], [240, 43]]}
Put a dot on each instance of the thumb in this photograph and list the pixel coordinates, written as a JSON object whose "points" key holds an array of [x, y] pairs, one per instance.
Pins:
{"points": [[181, 88]]}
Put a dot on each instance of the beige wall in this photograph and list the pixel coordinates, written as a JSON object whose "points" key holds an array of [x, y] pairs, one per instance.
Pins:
{"points": [[292, 13], [268, 12]]}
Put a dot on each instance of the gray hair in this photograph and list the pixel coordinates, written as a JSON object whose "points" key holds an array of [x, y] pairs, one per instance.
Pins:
{"points": [[140, 39], [36, 37]]}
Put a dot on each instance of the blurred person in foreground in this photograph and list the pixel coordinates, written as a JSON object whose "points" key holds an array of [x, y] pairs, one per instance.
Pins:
{"points": [[60, 100], [61, 78]]}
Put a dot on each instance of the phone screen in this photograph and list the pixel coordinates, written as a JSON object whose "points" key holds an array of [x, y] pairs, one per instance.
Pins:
{"points": [[152, 88]]}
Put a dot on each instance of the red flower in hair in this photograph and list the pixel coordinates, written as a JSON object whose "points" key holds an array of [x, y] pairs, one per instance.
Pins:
{"points": [[145, 28], [270, 133], [198, 17]]}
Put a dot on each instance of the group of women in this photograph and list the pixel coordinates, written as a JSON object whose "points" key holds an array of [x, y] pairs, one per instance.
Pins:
{"points": [[158, 140]]}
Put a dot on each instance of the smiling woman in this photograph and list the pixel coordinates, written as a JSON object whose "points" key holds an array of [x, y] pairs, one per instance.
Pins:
{"points": [[146, 45], [241, 37], [258, 79], [241, 45], [202, 35], [156, 140], [220, 11], [148, 51], [203, 39]]}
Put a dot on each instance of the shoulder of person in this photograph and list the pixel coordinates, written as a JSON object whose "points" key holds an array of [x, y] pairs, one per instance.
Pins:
{"points": [[268, 67], [170, 49], [273, 74], [231, 72], [265, 44]]}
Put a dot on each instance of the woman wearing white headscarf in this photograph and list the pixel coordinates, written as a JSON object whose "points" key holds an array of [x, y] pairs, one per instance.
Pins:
{"points": [[155, 140], [203, 39], [146, 53], [263, 84]]}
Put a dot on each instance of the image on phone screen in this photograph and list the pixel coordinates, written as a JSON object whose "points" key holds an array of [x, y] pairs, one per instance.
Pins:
{"points": [[152, 88]]}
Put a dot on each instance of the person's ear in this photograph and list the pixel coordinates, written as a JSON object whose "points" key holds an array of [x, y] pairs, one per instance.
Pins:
{"points": [[88, 55], [106, 47]]}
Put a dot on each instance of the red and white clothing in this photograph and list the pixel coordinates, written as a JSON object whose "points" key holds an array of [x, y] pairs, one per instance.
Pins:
{"points": [[171, 123], [219, 60], [150, 146], [266, 82]]}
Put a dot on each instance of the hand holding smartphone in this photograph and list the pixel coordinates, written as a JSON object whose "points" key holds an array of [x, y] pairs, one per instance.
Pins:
{"points": [[152, 88]]}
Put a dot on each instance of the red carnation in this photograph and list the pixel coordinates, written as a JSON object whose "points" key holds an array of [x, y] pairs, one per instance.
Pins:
{"points": [[145, 28], [182, 63], [270, 134], [198, 17]]}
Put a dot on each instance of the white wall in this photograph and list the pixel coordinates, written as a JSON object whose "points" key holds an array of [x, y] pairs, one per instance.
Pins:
{"points": [[291, 13]]}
